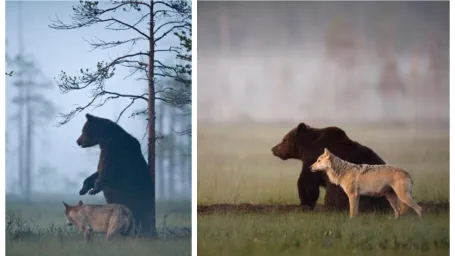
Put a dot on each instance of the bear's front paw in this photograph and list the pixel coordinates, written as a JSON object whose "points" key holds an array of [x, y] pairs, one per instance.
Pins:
{"points": [[98, 185], [83, 191], [94, 191]]}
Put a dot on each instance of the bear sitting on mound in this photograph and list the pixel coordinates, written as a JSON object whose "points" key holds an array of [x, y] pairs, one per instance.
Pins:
{"points": [[307, 143], [122, 173]]}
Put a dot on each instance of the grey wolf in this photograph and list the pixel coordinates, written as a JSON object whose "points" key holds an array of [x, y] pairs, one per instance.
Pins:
{"points": [[374, 180], [112, 219]]}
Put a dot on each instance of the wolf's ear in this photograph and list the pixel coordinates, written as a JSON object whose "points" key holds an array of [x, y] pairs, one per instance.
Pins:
{"points": [[80, 203], [89, 117], [302, 127], [66, 205], [326, 151]]}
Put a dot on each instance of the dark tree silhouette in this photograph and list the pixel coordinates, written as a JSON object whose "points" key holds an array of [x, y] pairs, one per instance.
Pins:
{"points": [[156, 20], [170, 18]]}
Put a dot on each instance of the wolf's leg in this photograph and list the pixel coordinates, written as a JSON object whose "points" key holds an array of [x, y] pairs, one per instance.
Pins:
{"points": [[394, 202], [113, 227], [88, 234], [109, 236], [404, 194], [88, 184], [406, 198], [353, 204], [356, 209]]}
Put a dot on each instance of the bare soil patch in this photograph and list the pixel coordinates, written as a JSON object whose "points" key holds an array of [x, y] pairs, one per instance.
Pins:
{"points": [[428, 207]]}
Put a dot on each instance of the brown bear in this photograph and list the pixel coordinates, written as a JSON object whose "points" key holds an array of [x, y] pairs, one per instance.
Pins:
{"points": [[307, 143], [122, 173]]}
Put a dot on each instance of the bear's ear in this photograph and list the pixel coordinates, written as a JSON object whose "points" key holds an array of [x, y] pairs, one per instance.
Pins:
{"points": [[80, 203], [89, 117], [302, 127]]}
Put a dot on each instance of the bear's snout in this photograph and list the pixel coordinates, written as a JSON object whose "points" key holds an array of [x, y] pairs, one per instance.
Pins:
{"points": [[277, 152], [274, 149], [81, 141]]}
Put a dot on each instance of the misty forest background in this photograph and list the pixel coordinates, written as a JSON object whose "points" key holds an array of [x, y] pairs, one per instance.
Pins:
{"points": [[380, 61]]}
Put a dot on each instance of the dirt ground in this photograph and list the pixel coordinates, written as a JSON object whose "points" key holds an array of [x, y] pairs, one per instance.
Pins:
{"points": [[427, 206]]}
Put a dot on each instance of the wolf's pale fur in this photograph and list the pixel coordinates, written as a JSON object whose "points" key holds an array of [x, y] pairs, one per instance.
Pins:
{"points": [[112, 219], [373, 180]]}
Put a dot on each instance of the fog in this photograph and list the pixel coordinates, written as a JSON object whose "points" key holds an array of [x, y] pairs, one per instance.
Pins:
{"points": [[59, 165], [329, 61]]}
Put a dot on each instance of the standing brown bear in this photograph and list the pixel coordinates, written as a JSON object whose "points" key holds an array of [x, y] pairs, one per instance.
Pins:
{"points": [[122, 173], [307, 143]]}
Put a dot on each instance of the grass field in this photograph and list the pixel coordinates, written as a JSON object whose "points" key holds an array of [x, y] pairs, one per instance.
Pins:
{"points": [[40, 229], [236, 166]]}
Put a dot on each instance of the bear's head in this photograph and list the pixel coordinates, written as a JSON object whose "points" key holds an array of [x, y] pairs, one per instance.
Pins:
{"points": [[94, 131], [306, 142], [289, 147]]}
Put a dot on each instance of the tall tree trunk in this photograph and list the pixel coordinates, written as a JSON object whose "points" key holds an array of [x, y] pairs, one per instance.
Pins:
{"points": [[21, 143], [151, 121], [180, 161], [165, 171], [28, 148], [20, 119]]}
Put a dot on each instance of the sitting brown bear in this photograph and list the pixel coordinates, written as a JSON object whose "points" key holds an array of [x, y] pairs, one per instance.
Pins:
{"points": [[307, 143], [122, 173]]}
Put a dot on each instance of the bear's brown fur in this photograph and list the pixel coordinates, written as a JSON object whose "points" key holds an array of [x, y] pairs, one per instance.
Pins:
{"points": [[307, 143], [123, 173]]}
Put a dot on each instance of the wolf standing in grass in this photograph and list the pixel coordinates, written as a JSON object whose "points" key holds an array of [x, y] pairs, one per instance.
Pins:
{"points": [[111, 219], [363, 179]]}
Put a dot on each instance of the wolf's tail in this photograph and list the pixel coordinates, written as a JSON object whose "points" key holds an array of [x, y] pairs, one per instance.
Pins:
{"points": [[404, 207], [130, 228]]}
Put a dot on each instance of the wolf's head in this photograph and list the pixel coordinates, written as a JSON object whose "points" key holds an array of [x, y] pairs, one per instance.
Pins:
{"points": [[323, 163], [70, 213]]}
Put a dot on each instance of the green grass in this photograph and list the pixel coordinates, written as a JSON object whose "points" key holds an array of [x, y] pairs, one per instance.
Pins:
{"points": [[322, 233], [235, 165], [40, 229]]}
